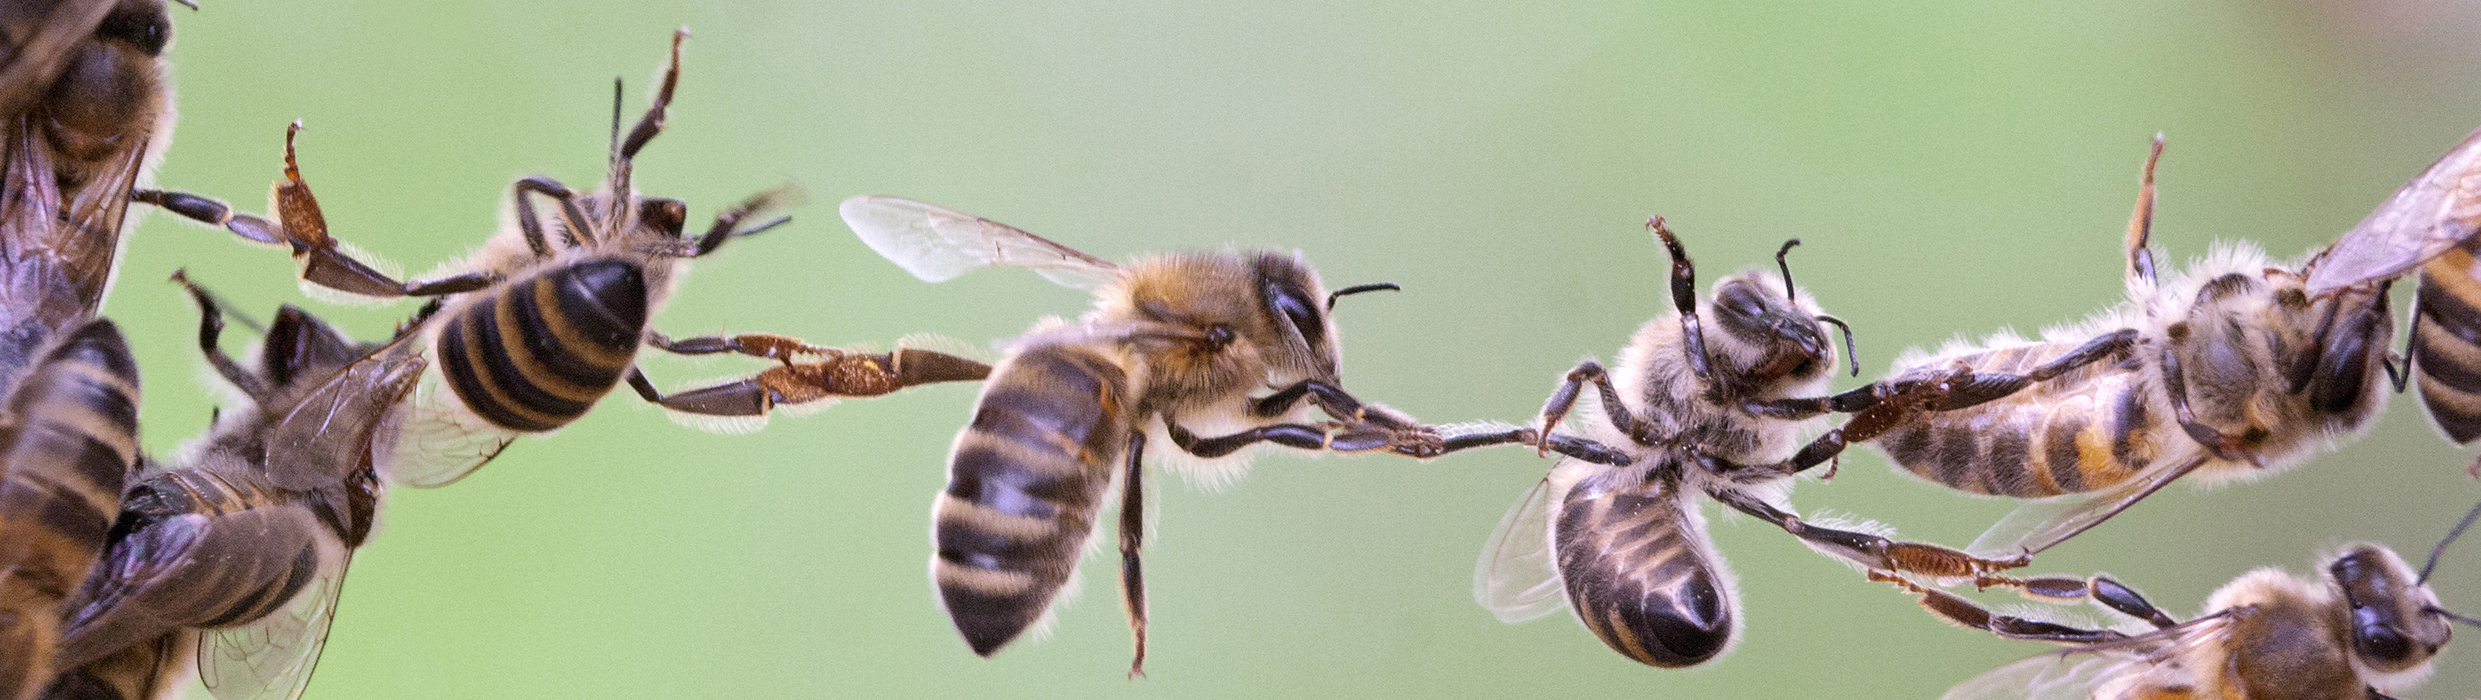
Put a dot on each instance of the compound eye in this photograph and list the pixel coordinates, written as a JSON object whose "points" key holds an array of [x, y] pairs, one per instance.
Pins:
{"points": [[2377, 641], [1297, 310], [148, 29]]}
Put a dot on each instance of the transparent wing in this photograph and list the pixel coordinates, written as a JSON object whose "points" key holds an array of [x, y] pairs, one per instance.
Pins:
{"points": [[2058, 675], [2077, 673], [2039, 525], [441, 441], [273, 656], [325, 436], [1516, 578], [2435, 211], [937, 244]]}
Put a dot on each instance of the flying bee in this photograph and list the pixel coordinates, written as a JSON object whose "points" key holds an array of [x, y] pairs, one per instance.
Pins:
{"points": [[1615, 529], [551, 313], [68, 446], [1177, 349], [246, 537], [2368, 627], [2231, 369], [85, 110], [2430, 224]]}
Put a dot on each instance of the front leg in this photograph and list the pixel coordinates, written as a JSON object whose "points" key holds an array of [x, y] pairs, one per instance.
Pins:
{"points": [[1955, 609], [1132, 539], [1877, 553], [304, 230], [1294, 435], [836, 373], [1965, 388]]}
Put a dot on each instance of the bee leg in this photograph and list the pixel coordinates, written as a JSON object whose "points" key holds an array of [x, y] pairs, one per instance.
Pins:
{"points": [[1877, 553], [727, 223], [1564, 398], [1293, 435], [1132, 538], [211, 331], [835, 373], [1955, 609], [1882, 416], [1565, 444], [573, 226], [2099, 589], [2141, 221], [1684, 298], [304, 230], [1963, 389]]}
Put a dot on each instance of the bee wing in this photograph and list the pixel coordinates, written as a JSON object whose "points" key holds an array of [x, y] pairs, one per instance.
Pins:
{"points": [[326, 435], [2058, 675], [2038, 525], [937, 244], [2079, 672], [272, 657], [441, 441], [1516, 578], [2437, 210], [38, 62]]}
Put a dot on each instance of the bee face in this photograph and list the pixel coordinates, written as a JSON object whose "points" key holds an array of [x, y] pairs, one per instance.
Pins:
{"points": [[2391, 627], [1767, 337]]}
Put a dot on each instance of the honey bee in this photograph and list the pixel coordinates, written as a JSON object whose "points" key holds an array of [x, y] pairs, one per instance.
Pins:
{"points": [[2228, 370], [551, 313], [2429, 224], [1210, 353], [85, 111], [2368, 627], [245, 538], [1616, 531], [68, 445]]}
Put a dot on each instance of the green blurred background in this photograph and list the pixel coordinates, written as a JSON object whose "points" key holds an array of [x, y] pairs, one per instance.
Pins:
{"points": [[1953, 167]]}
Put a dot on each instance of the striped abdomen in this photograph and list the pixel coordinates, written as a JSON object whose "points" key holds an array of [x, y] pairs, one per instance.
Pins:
{"points": [[1025, 482], [2085, 430], [71, 448], [2446, 348], [1637, 569], [541, 350]]}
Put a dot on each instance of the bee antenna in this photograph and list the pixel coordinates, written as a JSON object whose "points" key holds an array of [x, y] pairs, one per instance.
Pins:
{"points": [[1359, 288], [1788, 294], [209, 301], [1850, 354], [2441, 549], [2449, 614], [616, 94], [192, 4]]}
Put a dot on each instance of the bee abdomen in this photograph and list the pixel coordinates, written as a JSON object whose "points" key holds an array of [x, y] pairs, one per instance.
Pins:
{"points": [[1024, 483], [69, 457], [2447, 347], [2077, 443], [540, 351], [1635, 570]]}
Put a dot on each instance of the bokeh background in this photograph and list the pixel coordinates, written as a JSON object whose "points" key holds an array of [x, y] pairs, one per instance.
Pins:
{"points": [[1953, 167]]}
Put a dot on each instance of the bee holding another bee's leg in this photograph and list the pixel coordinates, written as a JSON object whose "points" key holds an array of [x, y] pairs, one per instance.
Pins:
{"points": [[2368, 626], [1194, 355], [1711, 401], [549, 316]]}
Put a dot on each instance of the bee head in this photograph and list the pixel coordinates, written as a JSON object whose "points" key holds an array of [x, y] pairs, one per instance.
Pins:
{"points": [[1765, 335], [1302, 336], [110, 87], [2392, 624]]}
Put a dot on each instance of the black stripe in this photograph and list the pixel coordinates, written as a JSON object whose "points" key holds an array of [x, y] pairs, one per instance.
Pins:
{"points": [[989, 621], [487, 363], [604, 303], [2059, 449], [1955, 453], [2132, 427], [2010, 462]]}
